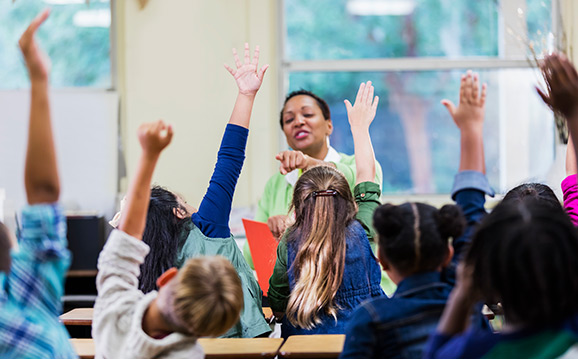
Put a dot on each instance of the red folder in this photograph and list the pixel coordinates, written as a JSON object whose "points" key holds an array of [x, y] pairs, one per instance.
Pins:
{"points": [[263, 247]]}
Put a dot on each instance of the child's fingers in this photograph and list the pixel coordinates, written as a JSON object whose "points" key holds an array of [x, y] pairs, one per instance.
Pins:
{"points": [[360, 92], [365, 93], [348, 105], [468, 87], [483, 95], [256, 56], [375, 103], [449, 106], [261, 73], [236, 57], [463, 89], [247, 54], [475, 87], [231, 71], [370, 95], [38, 20]]}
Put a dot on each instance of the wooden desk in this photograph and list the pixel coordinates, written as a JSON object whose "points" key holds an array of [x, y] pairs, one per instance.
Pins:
{"points": [[84, 348], [225, 348], [312, 346], [78, 316], [214, 348], [83, 316]]}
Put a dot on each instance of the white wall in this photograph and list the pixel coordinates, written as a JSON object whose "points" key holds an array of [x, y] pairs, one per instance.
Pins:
{"points": [[171, 57], [85, 131]]}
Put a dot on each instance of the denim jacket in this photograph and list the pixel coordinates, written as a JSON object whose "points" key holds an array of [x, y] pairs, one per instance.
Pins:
{"points": [[361, 281], [399, 327]]}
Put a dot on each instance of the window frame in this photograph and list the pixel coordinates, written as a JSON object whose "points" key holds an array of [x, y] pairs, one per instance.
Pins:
{"points": [[510, 56]]}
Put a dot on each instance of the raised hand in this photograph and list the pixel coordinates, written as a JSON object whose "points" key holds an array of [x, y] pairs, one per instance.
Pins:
{"points": [[362, 113], [470, 110], [291, 160], [154, 136], [247, 75], [37, 62], [561, 83]]}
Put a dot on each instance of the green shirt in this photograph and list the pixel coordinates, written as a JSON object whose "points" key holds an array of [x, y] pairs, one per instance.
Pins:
{"points": [[195, 244], [367, 199]]}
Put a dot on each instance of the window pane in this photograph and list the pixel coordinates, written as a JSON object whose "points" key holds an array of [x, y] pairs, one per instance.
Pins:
{"points": [[415, 139], [539, 22], [347, 29], [76, 36]]}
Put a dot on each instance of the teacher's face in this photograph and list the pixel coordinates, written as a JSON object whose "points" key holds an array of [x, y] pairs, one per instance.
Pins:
{"points": [[305, 127]]}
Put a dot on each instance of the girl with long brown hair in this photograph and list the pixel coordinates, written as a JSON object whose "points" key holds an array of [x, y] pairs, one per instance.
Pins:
{"points": [[325, 266]]}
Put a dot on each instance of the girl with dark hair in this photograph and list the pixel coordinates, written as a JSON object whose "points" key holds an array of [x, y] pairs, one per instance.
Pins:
{"points": [[524, 255], [325, 266], [416, 252], [176, 232]]}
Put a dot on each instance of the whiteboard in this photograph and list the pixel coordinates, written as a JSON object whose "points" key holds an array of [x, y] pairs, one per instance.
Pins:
{"points": [[85, 126]]}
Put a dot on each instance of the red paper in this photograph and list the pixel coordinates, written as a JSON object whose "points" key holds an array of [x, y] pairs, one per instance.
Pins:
{"points": [[263, 248]]}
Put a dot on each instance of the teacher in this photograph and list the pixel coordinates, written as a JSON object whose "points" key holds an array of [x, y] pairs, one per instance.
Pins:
{"points": [[306, 121]]}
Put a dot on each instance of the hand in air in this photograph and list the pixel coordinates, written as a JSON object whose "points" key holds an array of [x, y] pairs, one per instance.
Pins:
{"points": [[37, 62], [362, 113], [561, 79], [470, 110], [291, 160], [155, 136], [247, 75]]}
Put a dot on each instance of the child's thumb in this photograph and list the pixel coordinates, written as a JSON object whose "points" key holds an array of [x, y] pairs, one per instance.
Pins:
{"points": [[348, 105], [450, 106]]}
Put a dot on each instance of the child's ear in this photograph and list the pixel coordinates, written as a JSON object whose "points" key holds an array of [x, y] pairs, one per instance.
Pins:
{"points": [[167, 276], [381, 257], [180, 213], [449, 257]]}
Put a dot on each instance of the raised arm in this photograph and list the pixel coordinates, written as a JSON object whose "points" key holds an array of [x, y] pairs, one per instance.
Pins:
{"points": [[214, 211], [360, 115], [249, 78], [561, 95], [153, 137], [40, 171], [469, 117]]}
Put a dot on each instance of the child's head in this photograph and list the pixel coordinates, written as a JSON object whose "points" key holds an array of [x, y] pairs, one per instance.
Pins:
{"points": [[324, 207], [205, 298], [414, 237], [533, 191], [166, 219], [5, 246], [525, 255]]}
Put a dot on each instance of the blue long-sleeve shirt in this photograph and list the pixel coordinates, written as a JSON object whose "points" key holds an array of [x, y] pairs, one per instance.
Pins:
{"points": [[215, 209]]}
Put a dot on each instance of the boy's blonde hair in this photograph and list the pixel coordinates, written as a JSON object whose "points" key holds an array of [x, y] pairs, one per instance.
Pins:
{"points": [[208, 295]]}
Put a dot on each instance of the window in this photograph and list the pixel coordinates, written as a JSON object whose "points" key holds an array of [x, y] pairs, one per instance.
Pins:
{"points": [[414, 52], [76, 36]]}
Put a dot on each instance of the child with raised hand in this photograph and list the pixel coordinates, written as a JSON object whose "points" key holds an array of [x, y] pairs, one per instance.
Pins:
{"points": [[176, 232], [201, 299], [32, 277], [524, 255], [415, 248], [325, 266]]}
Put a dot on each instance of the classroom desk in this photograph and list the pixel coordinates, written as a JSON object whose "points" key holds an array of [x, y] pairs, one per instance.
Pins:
{"points": [[312, 346], [83, 316], [214, 348], [78, 316], [224, 348], [84, 348]]}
